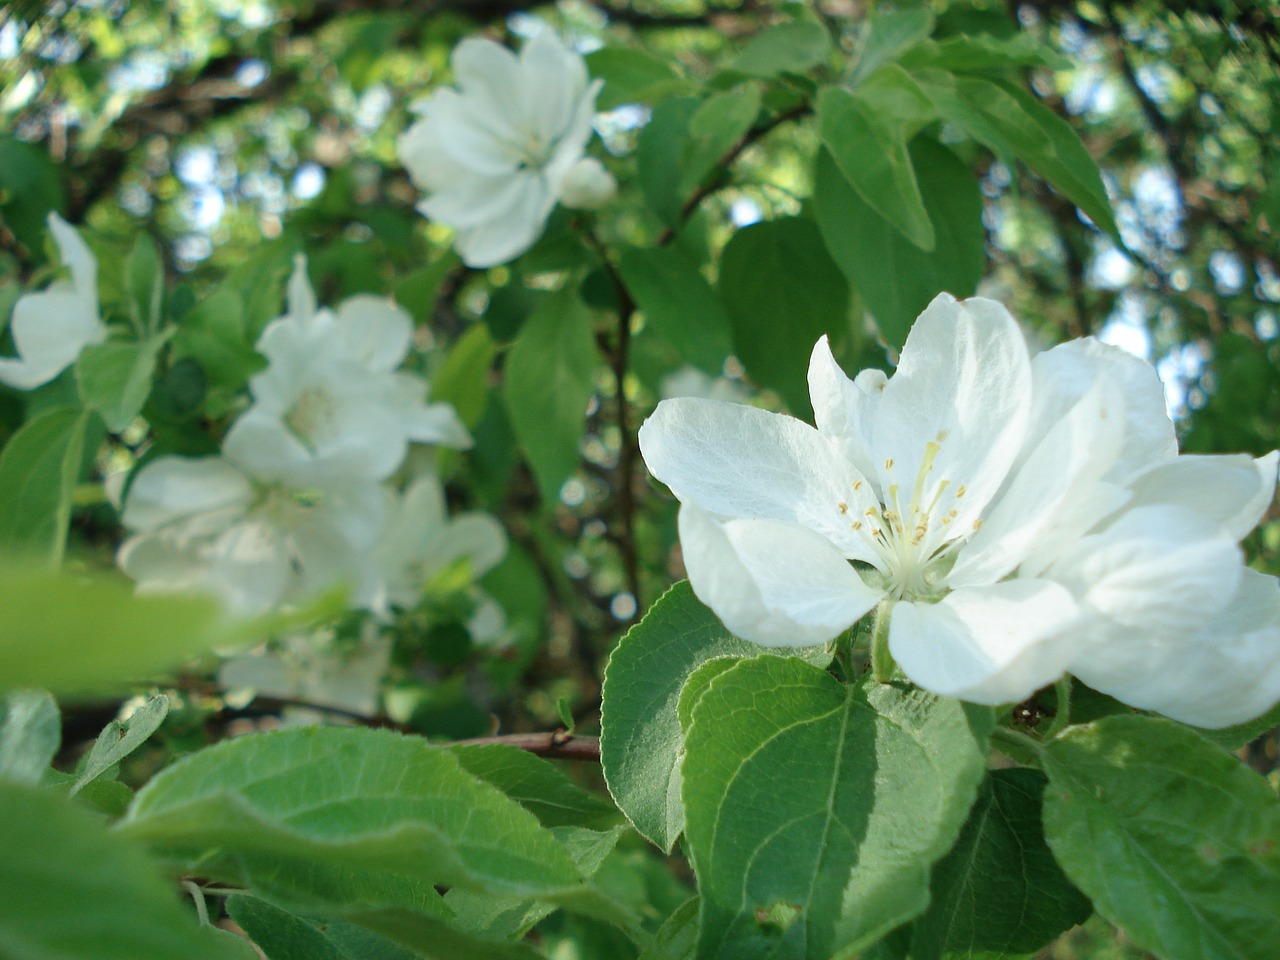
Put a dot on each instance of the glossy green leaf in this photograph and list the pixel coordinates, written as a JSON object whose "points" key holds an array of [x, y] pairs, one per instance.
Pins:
{"points": [[782, 292], [115, 378], [697, 684], [889, 35], [436, 939], [282, 935], [982, 52], [537, 785], [549, 380], [679, 303], [463, 380], [660, 152], [1174, 840], [677, 938], [786, 48], [30, 733], [119, 739], [38, 472], [816, 810], [69, 890], [1013, 123], [640, 737], [999, 893], [867, 132], [714, 129], [631, 76], [73, 634], [346, 817], [895, 278]]}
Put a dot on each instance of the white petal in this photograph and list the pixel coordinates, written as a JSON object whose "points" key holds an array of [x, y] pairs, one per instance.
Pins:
{"points": [[250, 567], [1065, 373], [736, 461], [78, 258], [844, 409], [552, 80], [430, 165], [995, 644], [964, 385], [374, 331], [489, 75], [477, 139], [1159, 569], [1066, 462], [50, 328], [301, 298], [435, 423], [587, 185], [511, 232], [773, 583], [171, 488], [1234, 491], [1226, 673], [476, 201]]}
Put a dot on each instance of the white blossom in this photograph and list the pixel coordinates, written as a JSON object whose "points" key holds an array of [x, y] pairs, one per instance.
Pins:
{"points": [[331, 406], [205, 526], [51, 327], [494, 155], [1017, 518]]}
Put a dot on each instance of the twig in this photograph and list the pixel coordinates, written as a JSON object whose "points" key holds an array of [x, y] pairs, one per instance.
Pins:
{"points": [[558, 745]]}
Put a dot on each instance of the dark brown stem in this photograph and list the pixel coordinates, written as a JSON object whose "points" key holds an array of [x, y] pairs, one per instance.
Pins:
{"points": [[559, 745], [627, 449]]}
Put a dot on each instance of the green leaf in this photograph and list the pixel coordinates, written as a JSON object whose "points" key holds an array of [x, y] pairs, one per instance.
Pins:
{"points": [[631, 76], [964, 53], [115, 378], [29, 189], [895, 278], [417, 292], [816, 810], [697, 684], [867, 132], [432, 937], [782, 292], [677, 938], [73, 634], [679, 303], [119, 740], [69, 890], [38, 472], [538, 786], [640, 737], [999, 893], [1013, 123], [282, 935], [464, 379], [213, 334], [30, 732], [660, 150], [795, 47], [1233, 738], [714, 129], [889, 36], [549, 380], [350, 818], [1174, 840], [146, 284]]}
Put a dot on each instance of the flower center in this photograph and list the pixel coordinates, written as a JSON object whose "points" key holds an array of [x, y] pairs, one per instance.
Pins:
{"points": [[915, 545], [310, 413]]}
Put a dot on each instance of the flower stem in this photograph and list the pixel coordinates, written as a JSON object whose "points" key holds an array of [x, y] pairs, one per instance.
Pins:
{"points": [[1017, 746], [1063, 715], [882, 662]]}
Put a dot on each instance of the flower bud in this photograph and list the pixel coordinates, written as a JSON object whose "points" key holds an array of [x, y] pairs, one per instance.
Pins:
{"points": [[587, 185]]}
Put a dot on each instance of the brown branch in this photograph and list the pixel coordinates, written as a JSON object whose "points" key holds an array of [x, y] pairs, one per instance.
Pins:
{"points": [[559, 745]]}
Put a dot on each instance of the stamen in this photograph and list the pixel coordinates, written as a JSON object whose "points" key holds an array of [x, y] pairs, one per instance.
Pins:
{"points": [[962, 491], [844, 507], [888, 464]]}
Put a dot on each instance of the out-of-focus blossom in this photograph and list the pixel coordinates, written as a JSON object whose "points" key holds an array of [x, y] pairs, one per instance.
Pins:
{"points": [[51, 327], [495, 156]]}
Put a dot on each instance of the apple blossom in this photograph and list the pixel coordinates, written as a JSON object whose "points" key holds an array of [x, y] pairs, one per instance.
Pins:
{"points": [[1014, 518], [51, 327], [331, 405], [495, 156]]}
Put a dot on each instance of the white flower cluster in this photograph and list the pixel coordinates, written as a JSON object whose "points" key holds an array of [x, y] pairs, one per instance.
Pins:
{"points": [[1017, 517], [298, 501], [50, 328], [495, 156]]}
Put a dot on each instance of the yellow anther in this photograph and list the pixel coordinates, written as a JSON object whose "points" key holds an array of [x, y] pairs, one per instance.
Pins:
{"points": [[844, 507], [888, 464], [857, 484], [857, 524], [977, 524], [961, 491]]}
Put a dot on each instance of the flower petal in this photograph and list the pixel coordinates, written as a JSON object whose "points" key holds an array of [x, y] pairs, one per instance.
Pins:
{"points": [[776, 584], [844, 409], [78, 258], [1066, 372], [169, 489], [512, 231], [994, 644], [553, 79], [480, 141], [736, 461], [50, 328], [1234, 491], [953, 416], [375, 332], [489, 74]]}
